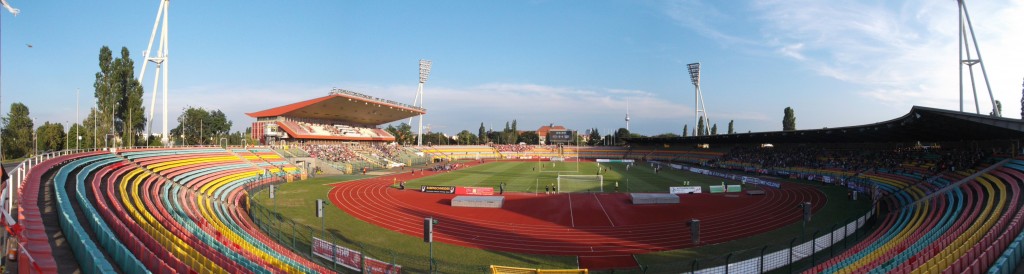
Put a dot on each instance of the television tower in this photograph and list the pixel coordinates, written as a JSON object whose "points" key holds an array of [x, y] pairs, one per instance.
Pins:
{"points": [[627, 114]]}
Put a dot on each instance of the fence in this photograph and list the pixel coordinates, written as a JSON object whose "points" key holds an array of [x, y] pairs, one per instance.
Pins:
{"points": [[298, 237]]}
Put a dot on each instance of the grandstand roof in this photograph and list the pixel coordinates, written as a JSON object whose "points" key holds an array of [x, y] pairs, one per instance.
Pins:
{"points": [[343, 105], [921, 124]]}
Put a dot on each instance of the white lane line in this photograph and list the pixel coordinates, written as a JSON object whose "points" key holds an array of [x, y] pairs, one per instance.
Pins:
{"points": [[605, 211], [571, 219]]}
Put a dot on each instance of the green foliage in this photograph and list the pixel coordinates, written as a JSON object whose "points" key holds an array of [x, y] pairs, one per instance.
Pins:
{"points": [[403, 133], [74, 132], [436, 138], [17, 132], [666, 135], [51, 137], [197, 126], [482, 135], [94, 131], [495, 137], [686, 131], [700, 127], [465, 138], [788, 119], [619, 134], [513, 134], [998, 111], [119, 96], [714, 129], [529, 137], [595, 137], [731, 131]]}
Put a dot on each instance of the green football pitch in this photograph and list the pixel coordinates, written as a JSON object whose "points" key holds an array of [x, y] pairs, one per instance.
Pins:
{"points": [[534, 176]]}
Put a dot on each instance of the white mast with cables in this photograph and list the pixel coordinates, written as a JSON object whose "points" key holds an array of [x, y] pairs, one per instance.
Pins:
{"points": [[161, 67], [965, 48]]}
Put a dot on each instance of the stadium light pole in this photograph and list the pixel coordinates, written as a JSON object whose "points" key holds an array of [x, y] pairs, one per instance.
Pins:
{"points": [[965, 47], [78, 136], [698, 101], [424, 74], [15, 12], [162, 66]]}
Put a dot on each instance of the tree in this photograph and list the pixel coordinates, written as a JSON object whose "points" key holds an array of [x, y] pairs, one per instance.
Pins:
{"points": [[482, 134], [686, 132], [595, 137], [466, 137], [74, 132], [999, 109], [17, 132], [119, 96], [714, 129], [513, 134], [200, 127], [494, 136], [700, 127], [131, 115], [436, 138], [50, 137], [529, 137], [403, 133], [621, 133], [94, 131], [788, 119], [666, 135], [730, 127]]}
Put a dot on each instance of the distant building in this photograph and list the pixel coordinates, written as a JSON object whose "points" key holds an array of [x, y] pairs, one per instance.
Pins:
{"points": [[542, 132]]}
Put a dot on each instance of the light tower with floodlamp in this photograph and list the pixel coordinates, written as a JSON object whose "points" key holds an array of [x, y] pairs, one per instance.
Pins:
{"points": [[965, 48], [418, 102], [698, 103], [161, 66]]}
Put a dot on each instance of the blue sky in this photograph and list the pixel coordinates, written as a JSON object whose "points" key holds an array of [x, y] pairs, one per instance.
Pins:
{"points": [[573, 63]]}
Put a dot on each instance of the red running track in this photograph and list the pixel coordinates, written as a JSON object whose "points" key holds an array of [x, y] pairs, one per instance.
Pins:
{"points": [[596, 227]]}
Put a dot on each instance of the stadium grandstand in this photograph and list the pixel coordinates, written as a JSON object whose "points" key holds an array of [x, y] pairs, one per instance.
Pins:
{"points": [[340, 131], [945, 187]]}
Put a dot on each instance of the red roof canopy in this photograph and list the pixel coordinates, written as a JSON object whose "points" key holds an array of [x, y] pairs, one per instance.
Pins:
{"points": [[353, 108]]}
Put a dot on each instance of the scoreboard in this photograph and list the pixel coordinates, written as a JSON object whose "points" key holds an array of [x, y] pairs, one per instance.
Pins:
{"points": [[560, 136]]}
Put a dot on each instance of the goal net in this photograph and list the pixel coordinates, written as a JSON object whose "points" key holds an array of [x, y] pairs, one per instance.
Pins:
{"points": [[580, 183]]}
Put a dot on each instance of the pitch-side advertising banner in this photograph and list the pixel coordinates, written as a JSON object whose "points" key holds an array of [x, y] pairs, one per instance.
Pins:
{"points": [[614, 160], [468, 190], [438, 189], [346, 257], [684, 189], [374, 266]]}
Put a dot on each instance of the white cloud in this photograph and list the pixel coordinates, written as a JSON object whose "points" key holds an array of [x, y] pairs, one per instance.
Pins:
{"points": [[898, 54], [794, 51], [452, 109]]}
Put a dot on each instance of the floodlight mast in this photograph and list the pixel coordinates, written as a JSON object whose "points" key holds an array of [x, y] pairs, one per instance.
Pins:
{"points": [[162, 65], [698, 99], [424, 74], [965, 48]]}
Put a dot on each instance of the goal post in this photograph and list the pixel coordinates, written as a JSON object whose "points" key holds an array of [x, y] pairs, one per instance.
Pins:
{"points": [[580, 183]]}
